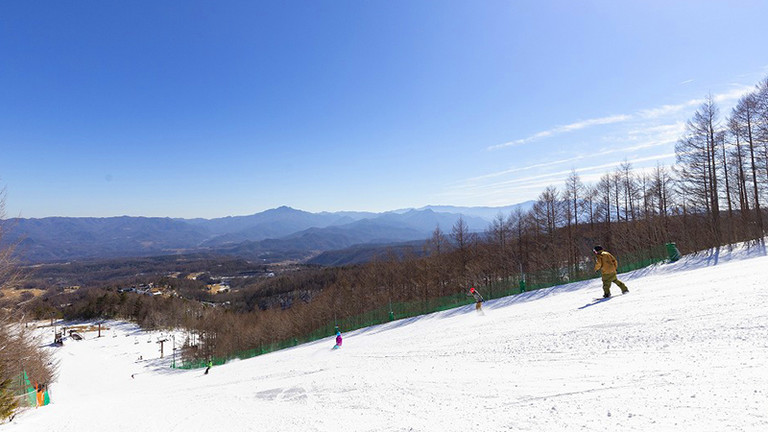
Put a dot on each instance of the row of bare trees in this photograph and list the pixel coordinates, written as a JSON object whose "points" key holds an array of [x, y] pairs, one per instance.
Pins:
{"points": [[723, 166]]}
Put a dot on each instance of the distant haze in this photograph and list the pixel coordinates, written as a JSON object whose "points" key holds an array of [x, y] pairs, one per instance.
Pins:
{"points": [[273, 235]]}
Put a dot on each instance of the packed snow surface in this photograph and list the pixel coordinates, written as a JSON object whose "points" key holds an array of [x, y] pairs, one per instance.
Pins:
{"points": [[686, 350]]}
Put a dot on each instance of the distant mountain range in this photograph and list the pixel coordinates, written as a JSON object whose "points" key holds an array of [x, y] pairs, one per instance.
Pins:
{"points": [[272, 235]]}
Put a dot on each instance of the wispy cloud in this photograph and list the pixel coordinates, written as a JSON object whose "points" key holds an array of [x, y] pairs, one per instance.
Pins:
{"points": [[686, 82], [559, 176], [666, 110], [731, 95], [644, 138], [660, 112], [565, 129], [655, 135], [652, 137], [528, 186], [525, 168], [736, 93]]}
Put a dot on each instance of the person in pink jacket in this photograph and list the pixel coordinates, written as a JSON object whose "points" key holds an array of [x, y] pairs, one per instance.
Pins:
{"points": [[338, 340]]}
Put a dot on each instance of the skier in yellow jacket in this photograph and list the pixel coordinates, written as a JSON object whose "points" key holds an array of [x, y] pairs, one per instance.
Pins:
{"points": [[608, 264]]}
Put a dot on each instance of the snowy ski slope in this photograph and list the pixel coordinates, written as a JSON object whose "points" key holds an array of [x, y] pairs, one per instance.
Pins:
{"points": [[686, 350]]}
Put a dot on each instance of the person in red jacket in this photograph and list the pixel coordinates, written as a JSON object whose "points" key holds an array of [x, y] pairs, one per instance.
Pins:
{"points": [[478, 299]]}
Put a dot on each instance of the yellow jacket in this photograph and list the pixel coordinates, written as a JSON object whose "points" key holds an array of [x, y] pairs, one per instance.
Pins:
{"points": [[605, 262]]}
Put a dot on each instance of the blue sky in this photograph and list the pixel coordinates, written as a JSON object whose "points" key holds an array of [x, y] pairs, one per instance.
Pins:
{"points": [[210, 109]]}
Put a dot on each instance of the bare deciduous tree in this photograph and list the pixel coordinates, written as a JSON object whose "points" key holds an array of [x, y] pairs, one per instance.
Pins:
{"points": [[20, 353], [697, 159], [744, 124]]}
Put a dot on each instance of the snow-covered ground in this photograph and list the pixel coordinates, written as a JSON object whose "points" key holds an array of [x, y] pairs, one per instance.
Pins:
{"points": [[686, 350]]}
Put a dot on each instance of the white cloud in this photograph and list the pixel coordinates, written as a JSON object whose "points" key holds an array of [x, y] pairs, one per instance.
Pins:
{"points": [[646, 114], [731, 95], [734, 94], [652, 137], [560, 176], [524, 188], [564, 129], [524, 168], [644, 138], [665, 110]]}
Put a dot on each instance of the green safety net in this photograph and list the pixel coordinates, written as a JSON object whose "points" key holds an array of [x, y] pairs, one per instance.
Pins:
{"points": [[28, 390], [27, 393], [492, 290]]}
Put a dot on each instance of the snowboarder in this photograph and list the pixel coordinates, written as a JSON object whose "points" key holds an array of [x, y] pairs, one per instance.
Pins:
{"points": [[607, 264], [210, 365], [338, 340], [478, 298]]}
